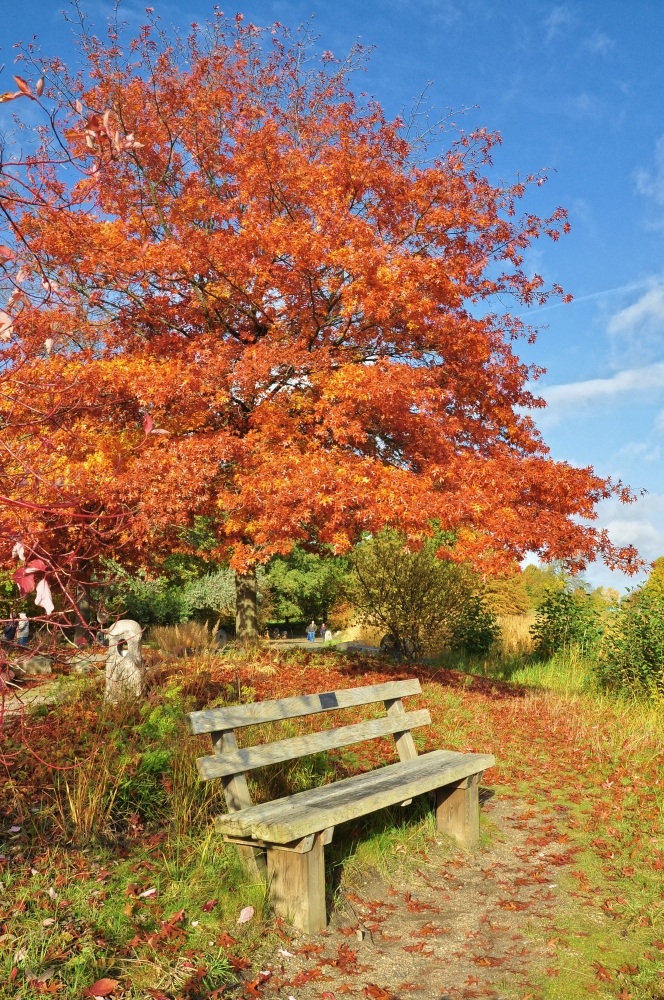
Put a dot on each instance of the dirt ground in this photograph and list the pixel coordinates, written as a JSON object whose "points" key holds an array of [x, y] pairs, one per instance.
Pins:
{"points": [[473, 925]]}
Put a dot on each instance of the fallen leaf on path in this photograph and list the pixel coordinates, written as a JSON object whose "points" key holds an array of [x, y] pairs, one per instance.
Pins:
{"points": [[102, 988], [377, 992], [245, 915]]}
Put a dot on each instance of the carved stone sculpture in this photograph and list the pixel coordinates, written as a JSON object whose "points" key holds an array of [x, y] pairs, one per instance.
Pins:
{"points": [[125, 671]]}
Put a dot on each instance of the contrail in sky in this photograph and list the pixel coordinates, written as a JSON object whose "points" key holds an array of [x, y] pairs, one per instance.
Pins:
{"points": [[634, 287]]}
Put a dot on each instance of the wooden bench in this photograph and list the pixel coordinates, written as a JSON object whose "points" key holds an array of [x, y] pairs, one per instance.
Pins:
{"points": [[293, 830]]}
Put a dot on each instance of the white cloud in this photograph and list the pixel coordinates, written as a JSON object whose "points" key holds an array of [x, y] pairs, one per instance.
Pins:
{"points": [[651, 183], [637, 330], [557, 22], [641, 524], [648, 310], [600, 43], [631, 380], [639, 451], [585, 105]]}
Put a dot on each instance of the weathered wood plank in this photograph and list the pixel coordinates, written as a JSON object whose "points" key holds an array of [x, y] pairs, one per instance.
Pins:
{"points": [[238, 761], [297, 886], [237, 795], [316, 809], [458, 811], [236, 789], [403, 739], [237, 716], [299, 846]]}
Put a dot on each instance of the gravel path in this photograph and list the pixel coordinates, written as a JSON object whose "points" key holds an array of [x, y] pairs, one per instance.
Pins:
{"points": [[473, 925]]}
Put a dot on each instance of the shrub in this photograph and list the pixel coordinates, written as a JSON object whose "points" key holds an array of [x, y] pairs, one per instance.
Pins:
{"points": [[412, 594], [476, 628], [210, 597], [632, 653], [566, 619]]}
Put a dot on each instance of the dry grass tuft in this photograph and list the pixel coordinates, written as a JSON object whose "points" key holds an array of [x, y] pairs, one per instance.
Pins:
{"points": [[515, 635], [189, 638]]}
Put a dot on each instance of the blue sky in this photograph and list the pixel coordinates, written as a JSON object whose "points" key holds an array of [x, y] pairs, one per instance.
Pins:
{"points": [[577, 88]]}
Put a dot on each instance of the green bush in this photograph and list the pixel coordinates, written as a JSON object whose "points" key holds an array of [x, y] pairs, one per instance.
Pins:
{"points": [[411, 593], [632, 653], [476, 627], [566, 619]]}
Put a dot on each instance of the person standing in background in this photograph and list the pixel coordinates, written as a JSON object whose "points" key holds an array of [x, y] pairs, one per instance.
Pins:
{"points": [[9, 631], [23, 630]]}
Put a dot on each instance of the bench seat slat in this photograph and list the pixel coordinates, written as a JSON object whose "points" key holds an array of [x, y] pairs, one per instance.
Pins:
{"points": [[316, 809], [235, 762], [236, 716]]}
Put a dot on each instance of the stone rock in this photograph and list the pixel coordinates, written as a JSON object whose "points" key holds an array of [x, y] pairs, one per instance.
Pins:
{"points": [[358, 647], [87, 663], [33, 666], [125, 669]]}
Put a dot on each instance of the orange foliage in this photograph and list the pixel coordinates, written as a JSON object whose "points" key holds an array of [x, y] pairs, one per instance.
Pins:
{"points": [[249, 301]]}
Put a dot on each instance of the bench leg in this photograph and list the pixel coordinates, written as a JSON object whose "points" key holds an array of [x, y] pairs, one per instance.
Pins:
{"points": [[297, 885], [458, 810], [253, 860]]}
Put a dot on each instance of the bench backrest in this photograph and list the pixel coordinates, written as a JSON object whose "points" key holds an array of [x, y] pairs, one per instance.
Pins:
{"points": [[230, 763]]}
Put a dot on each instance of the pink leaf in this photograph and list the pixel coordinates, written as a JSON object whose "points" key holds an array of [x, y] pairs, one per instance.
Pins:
{"points": [[43, 597], [6, 325], [39, 86], [24, 87], [18, 552], [148, 423], [245, 915], [36, 566]]}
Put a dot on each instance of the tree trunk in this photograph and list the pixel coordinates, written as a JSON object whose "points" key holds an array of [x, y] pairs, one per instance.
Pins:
{"points": [[246, 606]]}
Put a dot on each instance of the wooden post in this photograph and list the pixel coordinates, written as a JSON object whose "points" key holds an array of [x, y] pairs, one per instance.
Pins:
{"points": [[458, 810], [237, 795], [297, 885], [404, 741]]}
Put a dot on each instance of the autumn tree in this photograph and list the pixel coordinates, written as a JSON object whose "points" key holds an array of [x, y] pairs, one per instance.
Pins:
{"points": [[248, 300]]}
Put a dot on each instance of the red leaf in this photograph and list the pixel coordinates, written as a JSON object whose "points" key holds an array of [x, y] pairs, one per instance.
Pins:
{"points": [[148, 423], [102, 988], [377, 992], [24, 87], [7, 252], [602, 972], [210, 905], [24, 581], [238, 963]]}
